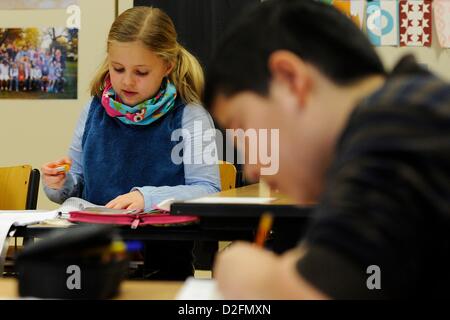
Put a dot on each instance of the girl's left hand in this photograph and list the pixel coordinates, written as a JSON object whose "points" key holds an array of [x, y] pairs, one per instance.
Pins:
{"points": [[132, 201]]}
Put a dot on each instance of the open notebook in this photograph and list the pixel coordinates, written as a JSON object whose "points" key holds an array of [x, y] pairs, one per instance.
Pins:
{"points": [[79, 210], [75, 204]]}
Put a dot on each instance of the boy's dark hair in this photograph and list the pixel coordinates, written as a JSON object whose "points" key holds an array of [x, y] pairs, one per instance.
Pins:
{"points": [[316, 32]]}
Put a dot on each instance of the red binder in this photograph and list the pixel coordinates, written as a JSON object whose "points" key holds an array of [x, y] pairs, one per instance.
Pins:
{"points": [[132, 219]]}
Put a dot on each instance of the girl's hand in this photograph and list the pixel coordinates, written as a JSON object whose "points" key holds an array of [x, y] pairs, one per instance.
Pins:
{"points": [[130, 201], [53, 178]]}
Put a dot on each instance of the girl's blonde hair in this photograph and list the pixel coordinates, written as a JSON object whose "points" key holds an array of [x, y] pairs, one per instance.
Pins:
{"points": [[157, 32]]}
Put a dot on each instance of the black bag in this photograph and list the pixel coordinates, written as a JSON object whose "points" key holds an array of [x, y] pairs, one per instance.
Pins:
{"points": [[75, 263]]}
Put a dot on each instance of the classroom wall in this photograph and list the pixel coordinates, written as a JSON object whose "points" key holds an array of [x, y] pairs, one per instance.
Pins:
{"points": [[123, 5], [38, 131]]}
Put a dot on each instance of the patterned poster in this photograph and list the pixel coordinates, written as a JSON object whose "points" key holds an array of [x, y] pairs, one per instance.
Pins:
{"points": [[382, 22], [354, 9], [442, 21], [415, 23]]}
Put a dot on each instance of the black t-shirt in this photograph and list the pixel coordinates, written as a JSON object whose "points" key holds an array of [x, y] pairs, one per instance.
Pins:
{"points": [[387, 198]]}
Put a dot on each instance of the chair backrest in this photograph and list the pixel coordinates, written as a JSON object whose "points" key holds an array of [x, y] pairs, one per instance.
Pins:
{"points": [[19, 187], [227, 175]]}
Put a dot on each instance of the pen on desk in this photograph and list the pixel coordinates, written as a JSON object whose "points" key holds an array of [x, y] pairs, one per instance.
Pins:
{"points": [[265, 224]]}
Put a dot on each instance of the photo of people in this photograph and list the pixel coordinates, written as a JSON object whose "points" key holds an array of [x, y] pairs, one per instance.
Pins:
{"points": [[38, 63]]}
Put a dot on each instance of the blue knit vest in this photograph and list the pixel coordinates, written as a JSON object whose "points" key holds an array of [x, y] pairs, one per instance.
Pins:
{"points": [[118, 157]]}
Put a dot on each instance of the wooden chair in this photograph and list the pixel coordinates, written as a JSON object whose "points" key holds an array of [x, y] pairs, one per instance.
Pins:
{"points": [[227, 175], [19, 187]]}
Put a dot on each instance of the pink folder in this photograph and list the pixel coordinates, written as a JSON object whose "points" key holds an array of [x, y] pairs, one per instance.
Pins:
{"points": [[132, 219]]}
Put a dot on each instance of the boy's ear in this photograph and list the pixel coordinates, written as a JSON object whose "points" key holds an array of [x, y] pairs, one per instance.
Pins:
{"points": [[288, 68]]}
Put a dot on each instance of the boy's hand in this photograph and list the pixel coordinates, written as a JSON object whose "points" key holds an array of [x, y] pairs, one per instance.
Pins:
{"points": [[53, 178], [131, 201], [244, 271]]}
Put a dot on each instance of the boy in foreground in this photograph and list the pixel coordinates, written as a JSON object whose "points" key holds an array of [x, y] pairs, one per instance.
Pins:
{"points": [[372, 148]]}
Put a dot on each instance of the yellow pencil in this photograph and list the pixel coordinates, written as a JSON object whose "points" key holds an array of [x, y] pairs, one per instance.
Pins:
{"points": [[265, 224]]}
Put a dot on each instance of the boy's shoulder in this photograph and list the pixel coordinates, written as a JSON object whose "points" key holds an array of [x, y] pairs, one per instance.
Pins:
{"points": [[408, 86], [403, 107], [405, 119], [400, 93]]}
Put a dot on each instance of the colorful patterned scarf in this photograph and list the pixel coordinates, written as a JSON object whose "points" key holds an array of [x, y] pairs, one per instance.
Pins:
{"points": [[143, 113]]}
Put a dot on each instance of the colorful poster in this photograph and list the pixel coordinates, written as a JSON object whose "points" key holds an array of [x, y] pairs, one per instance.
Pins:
{"points": [[38, 63], [442, 21], [354, 9], [357, 11], [382, 22], [415, 23]]}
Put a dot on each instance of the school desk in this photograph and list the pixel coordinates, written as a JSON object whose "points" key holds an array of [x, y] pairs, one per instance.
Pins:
{"points": [[130, 290], [290, 217], [218, 221], [281, 206], [224, 222]]}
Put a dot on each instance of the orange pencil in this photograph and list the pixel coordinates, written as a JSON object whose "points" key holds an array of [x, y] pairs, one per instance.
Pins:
{"points": [[265, 224], [63, 168]]}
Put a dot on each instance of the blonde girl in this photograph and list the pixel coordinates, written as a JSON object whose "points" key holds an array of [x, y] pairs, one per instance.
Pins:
{"points": [[148, 87]]}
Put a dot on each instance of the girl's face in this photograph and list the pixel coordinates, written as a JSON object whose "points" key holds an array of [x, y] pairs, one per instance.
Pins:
{"points": [[136, 72]]}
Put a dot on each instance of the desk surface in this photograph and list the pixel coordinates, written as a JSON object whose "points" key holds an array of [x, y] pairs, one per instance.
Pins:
{"points": [[283, 205], [130, 290], [258, 190]]}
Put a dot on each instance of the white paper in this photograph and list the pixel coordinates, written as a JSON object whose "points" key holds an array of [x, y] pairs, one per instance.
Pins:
{"points": [[232, 200], [165, 205], [199, 289], [21, 218], [8, 218]]}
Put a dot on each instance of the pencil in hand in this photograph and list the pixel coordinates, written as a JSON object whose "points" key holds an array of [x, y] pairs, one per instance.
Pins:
{"points": [[265, 224], [63, 168]]}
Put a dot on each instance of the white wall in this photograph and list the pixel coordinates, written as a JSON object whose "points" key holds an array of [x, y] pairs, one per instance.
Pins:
{"points": [[37, 131], [124, 5]]}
